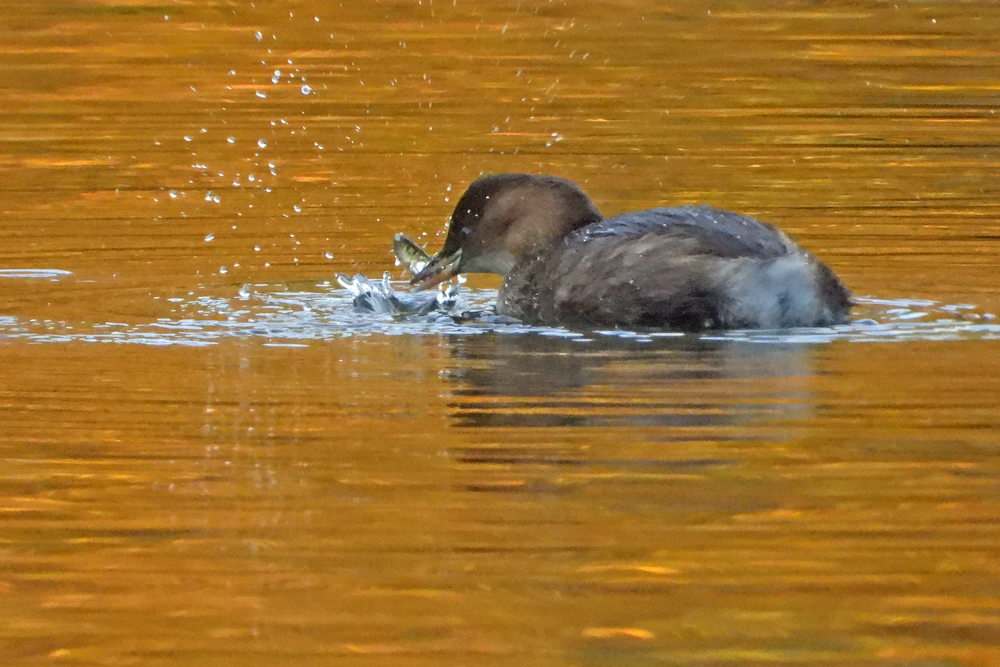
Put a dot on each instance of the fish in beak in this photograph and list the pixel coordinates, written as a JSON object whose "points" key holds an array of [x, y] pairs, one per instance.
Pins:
{"points": [[441, 268]]}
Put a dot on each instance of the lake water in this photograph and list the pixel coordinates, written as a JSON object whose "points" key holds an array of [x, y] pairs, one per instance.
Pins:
{"points": [[208, 457]]}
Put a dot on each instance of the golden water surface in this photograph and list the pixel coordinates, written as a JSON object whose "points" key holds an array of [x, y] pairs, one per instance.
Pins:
{"points": [[195, 474]]}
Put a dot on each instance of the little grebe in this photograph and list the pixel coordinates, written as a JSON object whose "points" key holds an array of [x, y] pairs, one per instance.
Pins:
{"points": [[688, 268]]}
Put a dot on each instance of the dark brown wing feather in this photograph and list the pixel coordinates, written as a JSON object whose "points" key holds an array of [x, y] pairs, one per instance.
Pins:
{"points": [[679, 268], [708, 231]]}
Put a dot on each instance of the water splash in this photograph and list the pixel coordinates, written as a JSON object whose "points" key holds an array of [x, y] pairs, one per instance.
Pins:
{"points": [[383, 299]]}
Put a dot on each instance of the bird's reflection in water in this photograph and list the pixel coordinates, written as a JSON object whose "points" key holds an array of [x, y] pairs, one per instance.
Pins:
{"points": [[683, 381], [635, 420]]}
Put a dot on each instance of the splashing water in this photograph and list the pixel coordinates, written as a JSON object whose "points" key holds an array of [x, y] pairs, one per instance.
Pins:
{"points": [[381, 298], [359, 306]]}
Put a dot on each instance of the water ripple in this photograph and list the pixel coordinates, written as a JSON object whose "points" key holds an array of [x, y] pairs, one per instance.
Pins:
{"points": [[299, 317], [33, 273]]}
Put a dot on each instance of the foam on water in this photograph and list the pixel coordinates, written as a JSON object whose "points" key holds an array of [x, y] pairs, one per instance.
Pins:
{"points": [[33, 273]]}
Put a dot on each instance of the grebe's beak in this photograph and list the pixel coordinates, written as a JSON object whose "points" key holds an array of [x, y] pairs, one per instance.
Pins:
{"points": [[441, 268]]}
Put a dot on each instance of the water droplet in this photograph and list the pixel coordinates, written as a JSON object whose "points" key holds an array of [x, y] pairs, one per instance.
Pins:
{"points": [[306, 90], [188, 138], [259, 35], [260, 94], [262, 143], [244, 292], [223, 269], [329, 255], [209, 237], [231, 140], [297, 209], [173, 194], [256, 248]]}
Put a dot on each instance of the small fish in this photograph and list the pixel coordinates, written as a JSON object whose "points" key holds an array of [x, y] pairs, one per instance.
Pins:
{"points": [[408, 254]]}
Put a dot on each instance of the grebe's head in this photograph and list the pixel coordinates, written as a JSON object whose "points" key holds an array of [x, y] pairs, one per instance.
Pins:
{"points": [[503, 217]]}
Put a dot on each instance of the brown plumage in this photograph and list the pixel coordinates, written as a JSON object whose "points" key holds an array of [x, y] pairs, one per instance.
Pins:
{"points": [[689, 268]]}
